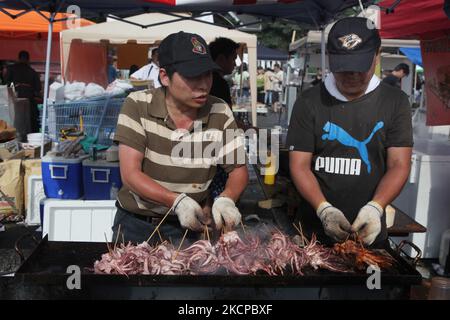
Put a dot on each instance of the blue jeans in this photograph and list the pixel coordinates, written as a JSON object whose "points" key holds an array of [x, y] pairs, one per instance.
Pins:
{"points": [[268, 98]]}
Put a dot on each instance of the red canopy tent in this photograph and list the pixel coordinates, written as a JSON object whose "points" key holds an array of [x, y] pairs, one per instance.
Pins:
{"points": [[427, 21], [413, 19]]}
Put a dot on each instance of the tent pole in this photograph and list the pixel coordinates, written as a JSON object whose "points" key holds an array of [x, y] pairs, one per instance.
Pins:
{"points": [[322, 52], [47, 76]]}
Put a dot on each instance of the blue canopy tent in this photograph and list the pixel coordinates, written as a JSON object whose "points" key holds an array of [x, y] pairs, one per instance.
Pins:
{"points": [[265, 53], [413, 54], [315, 13]]}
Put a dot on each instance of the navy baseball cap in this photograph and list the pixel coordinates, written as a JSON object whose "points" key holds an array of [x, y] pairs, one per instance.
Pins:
{"points": [[188, 53], [352, 44]]}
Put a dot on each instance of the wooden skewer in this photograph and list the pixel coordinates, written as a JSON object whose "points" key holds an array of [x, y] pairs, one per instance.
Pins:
{"points": [[243, 227], [179, 247], [296, 228], [123, 239], [207, 233], [107, 243], [303, 236], [117, 237], [160, 237], [159, 224]]}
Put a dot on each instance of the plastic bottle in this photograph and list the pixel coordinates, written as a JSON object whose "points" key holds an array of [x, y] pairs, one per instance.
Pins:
{"points": [[269, 177]]}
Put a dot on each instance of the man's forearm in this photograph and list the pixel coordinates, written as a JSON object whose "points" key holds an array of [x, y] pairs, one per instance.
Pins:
{"points": [[391, 185], [236, 183], [146, 188], [309, 188]]}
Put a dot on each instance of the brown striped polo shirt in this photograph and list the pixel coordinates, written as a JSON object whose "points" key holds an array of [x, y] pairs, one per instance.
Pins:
{"points": [[180, 160]]}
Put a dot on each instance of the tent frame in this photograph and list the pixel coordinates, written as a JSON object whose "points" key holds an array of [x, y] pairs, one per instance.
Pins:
{"points": [[56, 8]]}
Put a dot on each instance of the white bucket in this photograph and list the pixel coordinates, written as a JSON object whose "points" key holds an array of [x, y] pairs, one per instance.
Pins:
{"points": [[35, 139]]}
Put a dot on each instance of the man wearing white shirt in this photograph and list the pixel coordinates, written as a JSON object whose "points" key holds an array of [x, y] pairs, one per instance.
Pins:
{"points": [[149, 71]]}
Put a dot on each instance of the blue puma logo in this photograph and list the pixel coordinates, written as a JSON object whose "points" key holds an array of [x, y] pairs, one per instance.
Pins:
{"points": [[334, 132]]}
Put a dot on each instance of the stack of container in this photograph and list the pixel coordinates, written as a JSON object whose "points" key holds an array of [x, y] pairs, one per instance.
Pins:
{"points": [[80, 178]]}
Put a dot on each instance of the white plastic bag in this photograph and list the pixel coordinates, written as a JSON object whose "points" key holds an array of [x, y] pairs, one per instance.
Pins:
{"points": [[93, 90], [56, 92], [74, 90], [118, 87]]}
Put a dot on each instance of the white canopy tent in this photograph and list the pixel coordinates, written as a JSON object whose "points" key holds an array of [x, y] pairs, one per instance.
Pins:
{"points": [[118, 32]]}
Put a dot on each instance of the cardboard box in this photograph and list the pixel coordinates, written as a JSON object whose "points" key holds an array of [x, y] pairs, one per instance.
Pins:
{"points": [[33, 152], [30, 167], [11, 185], [7, 133]]}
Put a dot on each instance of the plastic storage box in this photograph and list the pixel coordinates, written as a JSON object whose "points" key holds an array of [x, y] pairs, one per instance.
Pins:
{"points": [[78, 220], [101, 180], [63, 178]]}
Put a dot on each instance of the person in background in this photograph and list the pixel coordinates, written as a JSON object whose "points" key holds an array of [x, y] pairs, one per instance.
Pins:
{"points": [[277, 84], [149, 71], [112, 68], [395, 78], [260, 84], [27, 85], [224, 54], [242, 79], [3, 72], [268, 88], [133, 69]]}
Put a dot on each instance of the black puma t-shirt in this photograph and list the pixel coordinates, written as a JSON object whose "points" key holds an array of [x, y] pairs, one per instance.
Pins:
{"points": [[349, 142]]}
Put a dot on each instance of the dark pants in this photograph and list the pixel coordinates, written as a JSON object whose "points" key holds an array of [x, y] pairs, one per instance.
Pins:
{"points": [[138, 230]]}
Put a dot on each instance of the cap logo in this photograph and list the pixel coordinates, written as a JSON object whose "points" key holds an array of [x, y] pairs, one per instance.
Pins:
{"points": [[350, 41], [198, 47]]}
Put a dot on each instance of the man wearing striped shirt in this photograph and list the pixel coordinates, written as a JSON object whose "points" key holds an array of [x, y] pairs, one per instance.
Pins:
{"points": [[171, 140]]}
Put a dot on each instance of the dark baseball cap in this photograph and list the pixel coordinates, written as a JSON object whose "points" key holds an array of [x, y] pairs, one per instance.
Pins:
{"points": [[188, 53], [352, 44]]}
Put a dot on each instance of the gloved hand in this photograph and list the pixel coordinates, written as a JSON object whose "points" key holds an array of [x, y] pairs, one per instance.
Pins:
{"points": [[334, 222], [189, 213], [225, 210], [368, 222]]}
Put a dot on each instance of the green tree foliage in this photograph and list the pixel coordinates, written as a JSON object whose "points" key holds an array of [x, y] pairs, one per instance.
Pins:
{"points": [[278, 34]]}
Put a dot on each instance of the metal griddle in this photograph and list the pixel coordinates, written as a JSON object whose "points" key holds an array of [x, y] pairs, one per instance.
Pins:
{"points": [[47, 265]]}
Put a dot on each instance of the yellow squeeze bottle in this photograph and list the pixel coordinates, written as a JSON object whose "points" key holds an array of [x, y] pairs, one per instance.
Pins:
{"points": [[269, 177]]}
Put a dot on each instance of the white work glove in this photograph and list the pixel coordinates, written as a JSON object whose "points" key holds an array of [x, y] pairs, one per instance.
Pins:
{"points": [[368, 222], [334, 222], [225, 210], [189, 213]]}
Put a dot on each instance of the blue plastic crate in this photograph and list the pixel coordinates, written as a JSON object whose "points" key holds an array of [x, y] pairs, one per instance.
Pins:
{"points": [[101, 180], [99, 117], [62, 178]]}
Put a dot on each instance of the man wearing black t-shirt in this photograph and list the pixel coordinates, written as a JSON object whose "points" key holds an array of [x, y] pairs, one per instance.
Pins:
{"points": [[224, 54], [395, 78], [350, 141]]}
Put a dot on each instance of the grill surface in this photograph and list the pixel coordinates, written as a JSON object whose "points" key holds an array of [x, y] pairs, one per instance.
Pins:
{"points": [[50, 260]]}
